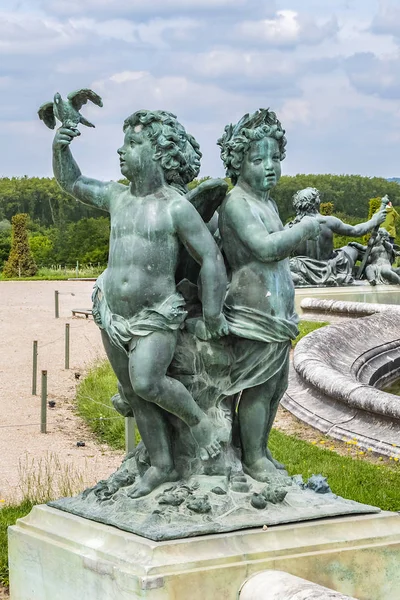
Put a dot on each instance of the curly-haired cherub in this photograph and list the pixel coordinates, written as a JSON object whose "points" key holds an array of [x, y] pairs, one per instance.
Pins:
{"points": [[136, 303], [260, 303]]}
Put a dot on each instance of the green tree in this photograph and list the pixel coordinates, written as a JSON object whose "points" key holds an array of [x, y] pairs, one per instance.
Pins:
{"points": [[326, 208], [350, 194], [5, 247], [374, 205], [20, 263], [42, 250]]}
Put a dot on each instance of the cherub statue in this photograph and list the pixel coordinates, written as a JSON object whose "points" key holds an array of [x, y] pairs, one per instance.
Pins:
{"points": [[260, 302], [379, 265], [135, 301]]}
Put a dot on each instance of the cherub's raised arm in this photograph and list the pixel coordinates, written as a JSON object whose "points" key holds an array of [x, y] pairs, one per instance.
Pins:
{"points": [[267, 247], [69, 176], [337, 226]]}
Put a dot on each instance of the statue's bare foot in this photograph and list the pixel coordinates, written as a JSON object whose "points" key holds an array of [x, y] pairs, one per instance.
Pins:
{"points": [[275, 462], [152, 478], [261, 470], [205, 435]]}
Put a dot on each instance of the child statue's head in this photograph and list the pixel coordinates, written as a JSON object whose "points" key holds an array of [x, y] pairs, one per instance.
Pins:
{"points": [[253, 149], [306, 201], [176, 150], [383, 235]]}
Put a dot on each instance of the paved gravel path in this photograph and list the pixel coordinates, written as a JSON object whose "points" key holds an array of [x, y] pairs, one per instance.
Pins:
{"points": [[27, 314]]}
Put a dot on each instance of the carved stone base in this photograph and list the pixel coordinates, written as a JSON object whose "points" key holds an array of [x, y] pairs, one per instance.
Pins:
{"points": [[58, 556], [206, 504]]}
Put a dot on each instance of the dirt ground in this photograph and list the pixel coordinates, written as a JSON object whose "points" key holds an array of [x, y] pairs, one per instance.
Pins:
{"points": [[27, 314]]}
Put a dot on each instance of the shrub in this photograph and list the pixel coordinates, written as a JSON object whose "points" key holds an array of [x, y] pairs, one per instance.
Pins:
{"points": [[20, 263]]}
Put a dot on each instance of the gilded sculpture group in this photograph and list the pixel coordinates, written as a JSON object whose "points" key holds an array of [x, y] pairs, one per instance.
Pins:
{"points": [[196, 306]]}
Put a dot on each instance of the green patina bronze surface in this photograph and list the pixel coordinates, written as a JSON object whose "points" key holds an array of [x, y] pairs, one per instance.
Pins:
{"points": [[378, 267], [316, 262], [201, 365]]}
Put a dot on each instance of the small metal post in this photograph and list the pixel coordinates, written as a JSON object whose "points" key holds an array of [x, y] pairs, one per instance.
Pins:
{"points": [[77, 268], [130, 431], [67, 345], [43, 411], [56, 304], [34, 367]]}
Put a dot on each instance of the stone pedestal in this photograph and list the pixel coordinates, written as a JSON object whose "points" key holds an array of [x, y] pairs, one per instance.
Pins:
{"points": [[58, 556]]}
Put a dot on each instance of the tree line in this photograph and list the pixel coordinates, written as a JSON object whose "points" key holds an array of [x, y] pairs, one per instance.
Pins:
{"points": [[63, 231]]}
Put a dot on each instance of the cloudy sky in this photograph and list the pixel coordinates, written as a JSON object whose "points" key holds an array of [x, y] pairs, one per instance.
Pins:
{"points": [[329, 68]]}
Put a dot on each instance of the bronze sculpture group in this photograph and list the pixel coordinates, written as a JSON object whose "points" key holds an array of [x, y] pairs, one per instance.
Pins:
{"points": [[196, 311], [317, 263]]}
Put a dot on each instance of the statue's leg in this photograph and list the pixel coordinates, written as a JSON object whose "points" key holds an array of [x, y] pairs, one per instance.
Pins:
{"points": [[151, 421], [281, 387], [391, 275], [370, 274], [148, 365], [257, 411]]}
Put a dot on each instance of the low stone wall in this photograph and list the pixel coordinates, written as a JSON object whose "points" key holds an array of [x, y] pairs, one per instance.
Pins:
{"points": [[344, 307], [360, 292], [335, 373]]}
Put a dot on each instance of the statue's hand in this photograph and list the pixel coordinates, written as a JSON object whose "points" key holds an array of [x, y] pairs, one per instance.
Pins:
{"points": [[64, 137], [312, 227], [380, 216], [212, 328]]}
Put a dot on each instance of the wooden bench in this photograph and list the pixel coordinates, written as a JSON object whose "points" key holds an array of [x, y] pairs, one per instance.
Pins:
{"points": [[82, 311]]}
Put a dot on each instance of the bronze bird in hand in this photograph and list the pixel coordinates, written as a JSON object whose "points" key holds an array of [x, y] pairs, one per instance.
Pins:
{"points": [[67, 111]]}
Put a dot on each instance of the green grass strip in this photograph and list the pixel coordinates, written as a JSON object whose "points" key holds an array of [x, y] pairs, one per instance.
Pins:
{"points": [[352, 478], [8, 516], [306, 327], [95, 407]]}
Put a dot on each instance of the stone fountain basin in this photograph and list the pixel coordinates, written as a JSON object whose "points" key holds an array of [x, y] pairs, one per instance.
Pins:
{"points": [[336, 377]]}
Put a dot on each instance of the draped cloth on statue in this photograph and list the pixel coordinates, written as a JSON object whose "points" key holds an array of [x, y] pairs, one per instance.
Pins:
{"points": [[260, 345], [337, 270], [165, 316], [256, 325], [256, 349]]}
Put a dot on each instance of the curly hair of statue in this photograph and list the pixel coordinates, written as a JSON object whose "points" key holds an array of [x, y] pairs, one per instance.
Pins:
{"points": [[237, 138]]}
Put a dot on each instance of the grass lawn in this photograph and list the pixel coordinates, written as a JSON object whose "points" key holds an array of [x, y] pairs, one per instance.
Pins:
{"points": [[8, 516], [394, 388], [306, 327], [59, 274]]}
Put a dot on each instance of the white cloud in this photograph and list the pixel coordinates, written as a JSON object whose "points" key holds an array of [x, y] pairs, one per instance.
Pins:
{"points": [[333, 128], [127, 76], [372, 75], [329, 69], [295, 111], [27, 34], [127, 91], [288, 28], [151, 33], [387, 20], [155, 7], [225, 63]]}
